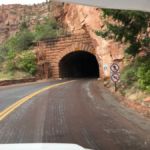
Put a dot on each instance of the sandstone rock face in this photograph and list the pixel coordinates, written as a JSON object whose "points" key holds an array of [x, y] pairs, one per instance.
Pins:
{"points": [[80, 18], [11, 16]]}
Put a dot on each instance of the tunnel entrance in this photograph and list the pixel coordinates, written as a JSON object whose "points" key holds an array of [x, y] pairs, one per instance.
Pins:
{"points": [[79, 64]]}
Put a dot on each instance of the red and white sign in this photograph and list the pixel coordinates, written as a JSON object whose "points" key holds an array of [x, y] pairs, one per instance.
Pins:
{"points": [[114, 67], [115, 77]]}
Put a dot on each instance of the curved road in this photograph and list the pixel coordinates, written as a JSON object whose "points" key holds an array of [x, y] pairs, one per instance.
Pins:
{"points": [[81, 112]]}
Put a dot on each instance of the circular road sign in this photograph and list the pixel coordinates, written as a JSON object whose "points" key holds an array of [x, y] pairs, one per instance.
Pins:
{"points": [[114, 67], [115, 77]]}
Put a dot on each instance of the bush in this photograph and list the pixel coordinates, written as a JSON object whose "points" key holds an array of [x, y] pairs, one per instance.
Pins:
{"points": [[138, 71], [11, 61], [21, 41], [49, 29], [128, 75], [143, 74], [27, 62], [3, 53], [24, 61]]}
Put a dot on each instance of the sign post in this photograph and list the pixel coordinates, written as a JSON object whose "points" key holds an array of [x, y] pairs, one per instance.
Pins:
{"points": [[115, 75]]}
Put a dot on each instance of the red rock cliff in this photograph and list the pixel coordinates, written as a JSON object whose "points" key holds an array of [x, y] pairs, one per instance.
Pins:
{"points": [[80, 18]]}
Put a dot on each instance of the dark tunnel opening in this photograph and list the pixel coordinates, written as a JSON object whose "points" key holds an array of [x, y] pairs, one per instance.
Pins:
{"points": [[79, 65]]}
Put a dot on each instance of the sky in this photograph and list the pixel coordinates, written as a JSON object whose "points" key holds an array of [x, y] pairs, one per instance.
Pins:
{"points": [[21, 1]]}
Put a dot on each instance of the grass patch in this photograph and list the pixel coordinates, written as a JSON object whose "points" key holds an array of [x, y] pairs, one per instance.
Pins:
{"points": [[13, 75]]}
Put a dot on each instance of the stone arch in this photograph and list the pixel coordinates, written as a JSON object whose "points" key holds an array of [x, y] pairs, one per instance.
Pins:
{"points": [[56, 49], [76, 48]]}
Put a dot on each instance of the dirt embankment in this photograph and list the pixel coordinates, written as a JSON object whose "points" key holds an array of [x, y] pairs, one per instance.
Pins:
{"points": [[9, 82], [142, 107]]}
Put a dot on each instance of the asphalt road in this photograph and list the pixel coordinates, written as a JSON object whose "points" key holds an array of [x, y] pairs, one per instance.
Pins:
{"points": [[81, 112], [12, 93]]}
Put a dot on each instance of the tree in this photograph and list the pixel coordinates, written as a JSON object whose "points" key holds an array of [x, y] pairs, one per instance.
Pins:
{"points": [[23, 26], [128, 27], [27, 62], [21, 41], [3, 53], [49, 29]]}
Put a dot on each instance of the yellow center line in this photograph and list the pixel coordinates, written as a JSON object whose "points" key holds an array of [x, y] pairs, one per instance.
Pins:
{"points": [[15, 105]]}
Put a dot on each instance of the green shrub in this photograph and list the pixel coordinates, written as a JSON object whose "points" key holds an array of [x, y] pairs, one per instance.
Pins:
{"points": [[49, 29], [27, 62], [128, 75], [138, 72], [21, 41], [11, 61], [143, 74], [23, 62], [23, 26], [3, 53]]}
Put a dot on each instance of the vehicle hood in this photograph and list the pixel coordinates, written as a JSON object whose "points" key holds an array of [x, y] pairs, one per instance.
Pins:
{"points": [[41, 146]]}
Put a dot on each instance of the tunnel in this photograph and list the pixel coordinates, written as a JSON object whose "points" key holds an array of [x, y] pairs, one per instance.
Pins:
{"points": [[79, 64]]}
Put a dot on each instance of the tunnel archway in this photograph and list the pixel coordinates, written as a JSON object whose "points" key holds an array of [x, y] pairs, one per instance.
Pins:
{"points": [[79, 64]]}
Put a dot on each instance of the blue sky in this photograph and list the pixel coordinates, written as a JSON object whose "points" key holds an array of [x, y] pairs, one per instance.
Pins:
{"points": [[20, 1]]}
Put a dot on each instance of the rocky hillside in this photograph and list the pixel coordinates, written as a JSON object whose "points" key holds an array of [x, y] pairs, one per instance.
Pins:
{"points": [[11, 17], [89, 19], [75, 17]]}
